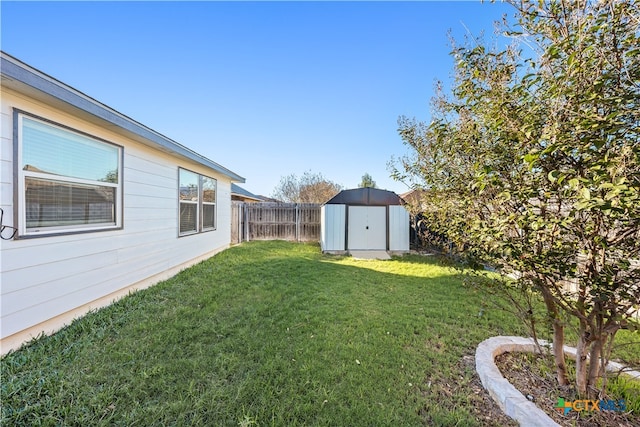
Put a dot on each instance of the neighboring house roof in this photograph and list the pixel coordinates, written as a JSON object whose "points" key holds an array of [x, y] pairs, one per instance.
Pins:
{"points": [[241, 193], [414, 198], [21, 77], [408, 194], [268, 199], [366, 197]]}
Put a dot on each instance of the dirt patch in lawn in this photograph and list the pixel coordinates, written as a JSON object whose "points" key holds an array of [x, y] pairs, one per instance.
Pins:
{"points": [[446, 391], [484, 406], [534, 377]]}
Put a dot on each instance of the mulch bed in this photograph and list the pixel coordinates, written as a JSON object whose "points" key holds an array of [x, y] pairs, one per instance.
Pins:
{"points": [[534, 376]]}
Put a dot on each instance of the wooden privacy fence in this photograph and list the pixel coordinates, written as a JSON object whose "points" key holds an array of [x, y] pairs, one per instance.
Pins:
{"points": [[275, 221]]}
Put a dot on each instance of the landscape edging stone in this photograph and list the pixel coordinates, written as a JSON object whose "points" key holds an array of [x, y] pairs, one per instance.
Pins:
{"points": [[510, 400]]}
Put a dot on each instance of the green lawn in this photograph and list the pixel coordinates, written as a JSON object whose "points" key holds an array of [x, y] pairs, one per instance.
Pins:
{"points": [[267, 333]]}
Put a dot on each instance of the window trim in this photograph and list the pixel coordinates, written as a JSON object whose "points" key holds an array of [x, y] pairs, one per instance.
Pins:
{"points": [[20, 176], [200, 205], [189, 202], [203, 204]]}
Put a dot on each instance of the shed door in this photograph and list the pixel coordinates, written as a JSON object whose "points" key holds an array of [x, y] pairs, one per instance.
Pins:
{"points": [[367, 228]]}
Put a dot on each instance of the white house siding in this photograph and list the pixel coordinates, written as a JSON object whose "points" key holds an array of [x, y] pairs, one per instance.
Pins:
{"points": [[398, 228], [47, 281], [332, 223], [6, 172]]}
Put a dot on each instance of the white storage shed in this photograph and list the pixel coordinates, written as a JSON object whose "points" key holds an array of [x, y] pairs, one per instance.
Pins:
{"points": [[364, 219]]}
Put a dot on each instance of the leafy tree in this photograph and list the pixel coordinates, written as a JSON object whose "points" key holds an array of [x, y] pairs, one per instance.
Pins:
{"points": [[367, 182], [309, 188], [532, 164]]}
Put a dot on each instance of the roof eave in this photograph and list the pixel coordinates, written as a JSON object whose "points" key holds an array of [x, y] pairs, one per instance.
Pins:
{"points": [[17, 74]]}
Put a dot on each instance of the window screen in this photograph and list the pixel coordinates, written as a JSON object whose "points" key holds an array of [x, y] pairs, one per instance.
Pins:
{"points": [[197, 199], [69, 181]]}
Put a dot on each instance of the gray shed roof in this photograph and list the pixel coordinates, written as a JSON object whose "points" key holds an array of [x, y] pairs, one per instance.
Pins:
{"points": [[366, 197], [21, 77]]}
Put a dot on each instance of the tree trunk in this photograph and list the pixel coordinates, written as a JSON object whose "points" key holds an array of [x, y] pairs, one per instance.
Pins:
{"points": [[594, 364], [558, 353], [558, 337], [582, 348]]}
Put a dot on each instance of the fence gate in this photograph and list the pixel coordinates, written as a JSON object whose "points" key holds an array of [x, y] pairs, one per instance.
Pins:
{"points": [[275, 221]]}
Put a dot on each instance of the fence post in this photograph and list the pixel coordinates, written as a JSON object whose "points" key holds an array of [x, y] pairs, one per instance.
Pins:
{"points": [[239, 219], [297, 222], [245, 215], [243, 222]]}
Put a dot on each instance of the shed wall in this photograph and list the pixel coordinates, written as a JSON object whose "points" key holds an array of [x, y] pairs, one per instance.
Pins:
{"points": [[398, 228], [332, 233], [45, 277]]}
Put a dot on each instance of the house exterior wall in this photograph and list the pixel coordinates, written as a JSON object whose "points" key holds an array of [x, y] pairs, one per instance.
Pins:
{"points": [[46, 281], [398, 228], [332, 223]]}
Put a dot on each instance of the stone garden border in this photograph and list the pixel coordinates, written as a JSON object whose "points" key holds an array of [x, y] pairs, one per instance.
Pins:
{"points": [[510, 400]]}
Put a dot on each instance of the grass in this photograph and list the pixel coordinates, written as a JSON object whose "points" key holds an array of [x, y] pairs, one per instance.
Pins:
{"points": [[266, 333]]}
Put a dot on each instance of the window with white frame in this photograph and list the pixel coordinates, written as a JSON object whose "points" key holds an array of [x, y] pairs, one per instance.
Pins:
{"points": [[197, 199], [68, 181], [208, 203]]}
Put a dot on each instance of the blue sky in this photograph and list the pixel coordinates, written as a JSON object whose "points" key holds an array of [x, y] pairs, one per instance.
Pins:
{"points": [[266, 89]]}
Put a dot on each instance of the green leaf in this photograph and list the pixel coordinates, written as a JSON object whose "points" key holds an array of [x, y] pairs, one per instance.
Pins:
{"points": [[530, 157], [561, 178]]}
